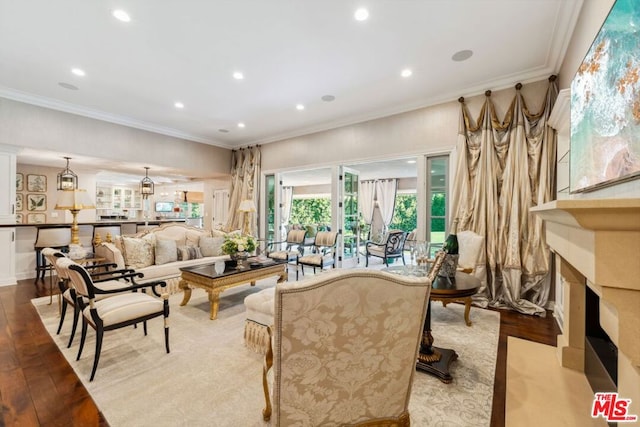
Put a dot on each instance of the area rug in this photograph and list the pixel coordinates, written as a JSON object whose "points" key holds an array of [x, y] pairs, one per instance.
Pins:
{"points": [[211, 379]]}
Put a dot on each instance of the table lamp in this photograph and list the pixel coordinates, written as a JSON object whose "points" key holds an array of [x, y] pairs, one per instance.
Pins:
{"points": [[247, 206], [74, 200]]}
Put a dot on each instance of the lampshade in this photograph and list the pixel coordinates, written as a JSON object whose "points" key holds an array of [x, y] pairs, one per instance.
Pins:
{"points": [[247, 205], [146, 185], [74, 200], [67, 180]]}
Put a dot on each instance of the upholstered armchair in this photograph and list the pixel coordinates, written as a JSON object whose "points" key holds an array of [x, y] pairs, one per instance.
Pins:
{"points": [[344, 349], [323, 252], [293, 247], [390, 248], [124, 307]]}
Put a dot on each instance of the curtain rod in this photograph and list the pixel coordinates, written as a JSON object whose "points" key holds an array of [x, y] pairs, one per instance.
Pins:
{"points": [[518, 86]]}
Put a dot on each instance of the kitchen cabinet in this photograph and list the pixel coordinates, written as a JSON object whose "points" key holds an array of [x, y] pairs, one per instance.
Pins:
{"points": [[118, 199]]}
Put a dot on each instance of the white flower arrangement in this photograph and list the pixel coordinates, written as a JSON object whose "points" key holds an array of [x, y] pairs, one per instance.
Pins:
{"points": [[234, 243]]}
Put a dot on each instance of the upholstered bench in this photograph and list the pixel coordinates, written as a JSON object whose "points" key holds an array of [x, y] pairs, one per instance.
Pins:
{"points": [[259, 309]]}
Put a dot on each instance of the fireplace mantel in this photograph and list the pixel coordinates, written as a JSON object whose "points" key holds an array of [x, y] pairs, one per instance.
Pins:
{"points": [[598, 243], [600, 238]]}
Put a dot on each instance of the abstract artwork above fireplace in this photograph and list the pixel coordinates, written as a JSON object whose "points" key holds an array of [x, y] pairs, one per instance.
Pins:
{"points": [[605, 104]]}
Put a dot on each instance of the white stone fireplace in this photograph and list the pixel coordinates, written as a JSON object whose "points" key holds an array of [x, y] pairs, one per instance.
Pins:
{"points": [[597, 244]]}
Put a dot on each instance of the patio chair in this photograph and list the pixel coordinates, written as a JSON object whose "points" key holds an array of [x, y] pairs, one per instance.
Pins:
{"points": [[323, 252], [391, 247], [293, 246]]}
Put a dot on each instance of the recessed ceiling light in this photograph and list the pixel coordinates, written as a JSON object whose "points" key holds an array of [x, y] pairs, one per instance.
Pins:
{"points": [[361, 14], [462, 55], [411, 161], [223, 130], [238, 75], [78, 72], [328, 98], [406, 72], [241, 125], [68, 86], [178, 105], [121, 15], [300, 107]]}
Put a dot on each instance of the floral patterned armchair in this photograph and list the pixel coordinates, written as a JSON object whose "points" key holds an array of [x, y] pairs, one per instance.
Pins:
{"points": [[344, 348]]}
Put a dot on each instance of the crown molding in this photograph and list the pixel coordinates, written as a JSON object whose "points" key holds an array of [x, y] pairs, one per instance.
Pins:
{"points": [[66, 107]]}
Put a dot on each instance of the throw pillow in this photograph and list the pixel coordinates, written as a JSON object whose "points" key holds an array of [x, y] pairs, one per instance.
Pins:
{"points": [[193, 237], [166, 251], [470, 245], [188, 252], [218, 233], [137, 252], [210, 246]]}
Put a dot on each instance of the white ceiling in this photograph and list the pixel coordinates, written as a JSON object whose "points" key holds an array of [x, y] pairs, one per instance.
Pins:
{"points": [[290, 52]]}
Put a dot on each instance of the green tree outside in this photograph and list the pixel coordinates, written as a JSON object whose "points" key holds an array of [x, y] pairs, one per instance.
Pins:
{"points": [[311, 211], [405, 214]]}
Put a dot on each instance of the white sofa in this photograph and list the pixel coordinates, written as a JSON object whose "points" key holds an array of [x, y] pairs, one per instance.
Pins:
{"points": [[159, 253]]}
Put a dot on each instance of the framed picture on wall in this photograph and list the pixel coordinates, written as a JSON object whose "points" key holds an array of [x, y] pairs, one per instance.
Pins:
{"points": [[36, 218], [19, 206], [19, 218], [19, 182], [36, 202], [37, 183], [605, 111]]}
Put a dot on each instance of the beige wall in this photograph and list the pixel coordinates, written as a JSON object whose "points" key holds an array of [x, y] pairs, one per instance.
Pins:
{"points": [[30, 126], [591, 17], [428, 130], [85, 181]]}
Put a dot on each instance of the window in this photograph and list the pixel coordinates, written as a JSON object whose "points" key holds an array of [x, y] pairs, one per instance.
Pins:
{"points": [[437, 172]]}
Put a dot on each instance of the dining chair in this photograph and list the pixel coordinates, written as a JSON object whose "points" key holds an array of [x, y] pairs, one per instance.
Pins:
{"points": [[123, 308]]}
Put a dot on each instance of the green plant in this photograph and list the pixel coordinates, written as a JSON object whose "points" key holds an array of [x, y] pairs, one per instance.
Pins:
{"points": [[237, 243]]}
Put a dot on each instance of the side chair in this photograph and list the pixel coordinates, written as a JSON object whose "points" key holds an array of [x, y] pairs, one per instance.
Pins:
{"points": [[108, 279], [123, 308], [358, 365]]}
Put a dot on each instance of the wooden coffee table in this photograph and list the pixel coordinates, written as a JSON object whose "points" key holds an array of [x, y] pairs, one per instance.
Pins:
{"points": [[205, 277]]}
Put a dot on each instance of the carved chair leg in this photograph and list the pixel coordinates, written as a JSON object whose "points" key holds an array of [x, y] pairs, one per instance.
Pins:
{"points": [[76, 317], [96, 357], [268, 364]]}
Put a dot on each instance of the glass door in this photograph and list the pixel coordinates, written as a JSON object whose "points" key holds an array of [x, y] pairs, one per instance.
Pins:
{"points": [[350, 215], [437, 182], [270, 208]]}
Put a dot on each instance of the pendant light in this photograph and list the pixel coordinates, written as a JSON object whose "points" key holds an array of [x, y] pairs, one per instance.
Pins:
{"points": [[146, 185], [67, 180]]}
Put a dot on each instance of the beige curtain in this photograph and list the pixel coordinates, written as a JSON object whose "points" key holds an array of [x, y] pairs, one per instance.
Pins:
{"points": [[245, 184], [503, 169]]}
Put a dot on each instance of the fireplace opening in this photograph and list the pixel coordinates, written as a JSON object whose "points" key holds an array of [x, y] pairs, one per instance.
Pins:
{"points": [[601, 354]]}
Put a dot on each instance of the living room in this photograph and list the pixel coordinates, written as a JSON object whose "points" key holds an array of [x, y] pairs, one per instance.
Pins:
{"points": [[50, 128]]}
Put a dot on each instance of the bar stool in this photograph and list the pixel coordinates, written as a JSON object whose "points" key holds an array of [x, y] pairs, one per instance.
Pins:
{"points": [[55, 237]]}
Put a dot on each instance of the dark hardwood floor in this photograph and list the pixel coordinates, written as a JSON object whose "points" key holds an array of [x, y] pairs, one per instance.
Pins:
{"points": [[39, 388]]}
